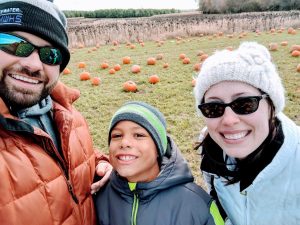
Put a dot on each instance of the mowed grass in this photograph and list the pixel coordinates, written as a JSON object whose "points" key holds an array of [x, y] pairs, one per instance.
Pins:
{"points": [[173, 95]]}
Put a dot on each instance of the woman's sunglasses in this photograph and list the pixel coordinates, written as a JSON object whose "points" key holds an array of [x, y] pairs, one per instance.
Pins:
{"points": [[241, 106], [18, 46]]}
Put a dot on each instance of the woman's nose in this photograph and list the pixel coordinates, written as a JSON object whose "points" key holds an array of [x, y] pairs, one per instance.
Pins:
{"points": [[230, 117]]}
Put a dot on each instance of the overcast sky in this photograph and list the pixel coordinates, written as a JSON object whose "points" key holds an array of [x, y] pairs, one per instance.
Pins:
{"points": [[124, 4]]}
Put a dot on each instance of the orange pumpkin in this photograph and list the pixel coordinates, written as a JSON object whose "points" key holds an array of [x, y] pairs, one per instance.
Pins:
{"points": [[193, 82], [66, 71], [112, 71], [290, 30], [165, 65], [273, 46], [182, 56], [117, 67], [295, 47], [135, 69], [104, 65], [126, 60], [298, 68], [81, 65], [151, 61], [130, 86], [159, 56], [197, 67], [295, 53], [203, 57], [85, 76], [186, 60], [284, 43], [153, 79], [96, 81]]}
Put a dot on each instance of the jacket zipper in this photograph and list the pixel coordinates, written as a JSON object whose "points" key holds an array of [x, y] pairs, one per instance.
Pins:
{"points": [[135, 207], [63, 168]]}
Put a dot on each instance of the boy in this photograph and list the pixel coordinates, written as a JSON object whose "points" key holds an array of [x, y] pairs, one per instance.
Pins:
{"points": [[151, 182]]}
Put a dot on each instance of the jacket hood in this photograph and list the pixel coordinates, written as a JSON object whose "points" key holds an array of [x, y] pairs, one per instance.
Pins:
{"points": [[174, 171]]}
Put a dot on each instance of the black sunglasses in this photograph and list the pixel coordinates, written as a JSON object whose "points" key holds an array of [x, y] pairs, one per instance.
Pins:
{"points": [[19, 46], [241, 106]]}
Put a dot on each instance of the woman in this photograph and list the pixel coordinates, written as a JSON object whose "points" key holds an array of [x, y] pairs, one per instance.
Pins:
{"points": [[251, 153]]}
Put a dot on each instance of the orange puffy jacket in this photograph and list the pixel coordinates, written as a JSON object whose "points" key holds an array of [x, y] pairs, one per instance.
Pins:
{"points": [[38, 186]]}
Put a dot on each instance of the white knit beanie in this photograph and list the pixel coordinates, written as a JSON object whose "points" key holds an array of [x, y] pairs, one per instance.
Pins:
{"points": [[250, 63]]}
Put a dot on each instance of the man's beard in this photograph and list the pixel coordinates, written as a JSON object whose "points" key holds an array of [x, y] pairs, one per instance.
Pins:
{"points": [[17, 98]]}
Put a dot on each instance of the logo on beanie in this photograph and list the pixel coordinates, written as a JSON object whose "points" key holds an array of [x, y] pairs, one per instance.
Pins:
{"points": [[11, 16]]}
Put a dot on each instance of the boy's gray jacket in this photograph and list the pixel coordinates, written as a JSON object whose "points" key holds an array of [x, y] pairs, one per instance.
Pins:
{"points": [[171, 199]]}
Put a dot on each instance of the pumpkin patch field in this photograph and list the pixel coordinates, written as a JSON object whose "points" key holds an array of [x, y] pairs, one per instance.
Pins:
{"points": [[161, 73]]}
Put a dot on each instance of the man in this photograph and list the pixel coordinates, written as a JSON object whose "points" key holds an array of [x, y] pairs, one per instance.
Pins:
{"points": [[47, 160]]}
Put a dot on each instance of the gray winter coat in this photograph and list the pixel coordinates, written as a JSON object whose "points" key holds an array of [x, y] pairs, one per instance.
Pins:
{"points": [[171, 199]]}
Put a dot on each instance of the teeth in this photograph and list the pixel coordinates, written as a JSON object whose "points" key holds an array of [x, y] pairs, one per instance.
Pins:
{"points": [[235, 136], [126, 157], [26, 79]]}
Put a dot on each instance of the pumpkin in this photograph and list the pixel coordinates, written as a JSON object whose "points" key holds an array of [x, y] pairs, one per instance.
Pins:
{"points": [[295, 47], [182, 56], [112, 71], [193, 82], [295, 53], [284, 43], [135, 69], [117, 67], [273, 46], [104, 65], [159, 56], [66, 71], [290, 30], [85, 76], [153, 79], [96, 81], [165, 65], [197, 67], [186, 60], [81, 65], [115, 43], [200, 52], [130, 86], [203, 57], [80, 45], [151, 61], [298, 68], [126, 60]]}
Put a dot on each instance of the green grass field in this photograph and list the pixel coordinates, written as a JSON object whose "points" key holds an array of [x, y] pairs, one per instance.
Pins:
{"points": [[173, 95]]}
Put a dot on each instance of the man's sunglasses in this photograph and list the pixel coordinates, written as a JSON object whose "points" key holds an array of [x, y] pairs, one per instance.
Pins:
{"points": [[241, 106], [19, 46]]}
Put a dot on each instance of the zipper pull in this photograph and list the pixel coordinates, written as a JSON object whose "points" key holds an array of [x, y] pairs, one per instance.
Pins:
{"points": [[72, 192]]}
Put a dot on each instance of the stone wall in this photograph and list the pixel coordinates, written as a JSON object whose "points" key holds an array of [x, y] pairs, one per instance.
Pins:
{"points": [[89, 32]]}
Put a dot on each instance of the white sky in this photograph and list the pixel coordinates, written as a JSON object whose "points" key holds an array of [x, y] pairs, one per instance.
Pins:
{"points": [[124, 4]]}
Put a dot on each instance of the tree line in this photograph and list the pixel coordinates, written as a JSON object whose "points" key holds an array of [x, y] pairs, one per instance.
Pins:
{"points": [[118, 13], [238, 6]]}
